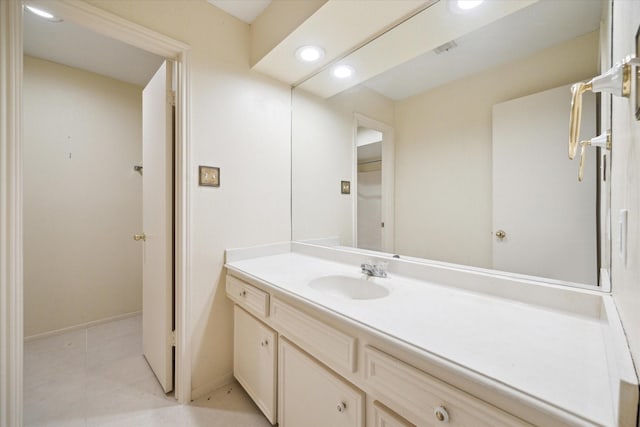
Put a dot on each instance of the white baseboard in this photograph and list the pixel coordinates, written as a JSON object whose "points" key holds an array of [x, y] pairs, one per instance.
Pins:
{"points": [[80, 326], [211, 386]]}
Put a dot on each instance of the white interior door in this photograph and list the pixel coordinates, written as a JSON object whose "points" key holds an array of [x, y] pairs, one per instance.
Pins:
{"points": [[549, 219], [157, 222]]}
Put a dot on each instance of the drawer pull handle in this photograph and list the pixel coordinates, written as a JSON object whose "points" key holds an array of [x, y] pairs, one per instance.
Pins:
{"points": [[264, 343], [441, 414], [342, 407], [243, 293]]}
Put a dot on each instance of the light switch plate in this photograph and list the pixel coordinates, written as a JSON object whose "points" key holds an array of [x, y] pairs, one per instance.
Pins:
{"points": [[209, 176], [345, 187]]}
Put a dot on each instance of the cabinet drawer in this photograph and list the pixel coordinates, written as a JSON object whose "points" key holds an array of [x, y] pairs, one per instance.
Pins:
{"points": [[329, 345], [404, 386], [255, 360], [310, 395], [249, 297], [384, 417]]}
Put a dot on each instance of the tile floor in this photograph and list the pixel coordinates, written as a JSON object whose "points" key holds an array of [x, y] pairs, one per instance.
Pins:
{"points": [[98, 377]]}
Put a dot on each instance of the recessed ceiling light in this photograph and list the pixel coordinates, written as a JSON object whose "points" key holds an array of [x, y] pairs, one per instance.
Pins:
{"points": [[43, 14], [309, 53], [461, 6], [343, 71]]}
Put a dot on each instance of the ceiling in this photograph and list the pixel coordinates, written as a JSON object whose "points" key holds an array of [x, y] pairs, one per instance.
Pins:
{"points": [[533, 28], [76, 46], [245, 10], [526, 30], [338, 27], [401, 62]]}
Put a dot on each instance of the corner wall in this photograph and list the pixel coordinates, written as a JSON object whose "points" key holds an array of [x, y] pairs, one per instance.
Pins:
{"points": [[82, 199]]}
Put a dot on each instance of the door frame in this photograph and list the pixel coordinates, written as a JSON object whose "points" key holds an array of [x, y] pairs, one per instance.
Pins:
{"points": [[11, 190], [388, 180]]}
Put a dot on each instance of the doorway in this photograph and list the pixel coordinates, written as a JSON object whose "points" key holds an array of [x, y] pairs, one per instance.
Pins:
{"points": [[113, 26], [88, 133], [374, 185], [370, 224]]}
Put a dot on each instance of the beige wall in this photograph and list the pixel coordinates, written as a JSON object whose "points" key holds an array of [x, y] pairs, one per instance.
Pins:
{"points": [[625, 183], [443, 152], [82, 199], [240, 121], [323, 155]]}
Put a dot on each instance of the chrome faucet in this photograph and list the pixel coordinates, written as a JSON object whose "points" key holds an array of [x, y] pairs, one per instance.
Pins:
{"points": [[379, 269]]}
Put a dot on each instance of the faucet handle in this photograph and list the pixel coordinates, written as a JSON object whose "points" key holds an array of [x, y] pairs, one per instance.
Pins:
{"points": [[380, 268], [377, 269]]}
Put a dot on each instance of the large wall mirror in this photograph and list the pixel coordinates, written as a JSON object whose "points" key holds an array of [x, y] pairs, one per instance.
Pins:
{"points": [[452, 133]]}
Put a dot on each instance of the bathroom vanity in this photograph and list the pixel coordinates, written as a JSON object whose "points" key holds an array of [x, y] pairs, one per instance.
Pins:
{"points": [[318, 343]]}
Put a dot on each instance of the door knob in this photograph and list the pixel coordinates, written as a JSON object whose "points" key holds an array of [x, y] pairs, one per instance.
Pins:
{"points": [[500, 234], [142, 237]]}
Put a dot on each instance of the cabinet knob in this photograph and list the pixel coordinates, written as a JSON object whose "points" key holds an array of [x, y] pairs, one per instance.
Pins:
{"points": [[264, 343], [441, 414], [243, 293], [342, 407]]}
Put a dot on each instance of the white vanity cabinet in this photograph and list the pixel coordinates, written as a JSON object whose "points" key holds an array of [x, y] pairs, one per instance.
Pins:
{"points": [[312, 396], [287, 361], [255, 360], [393, 363]]}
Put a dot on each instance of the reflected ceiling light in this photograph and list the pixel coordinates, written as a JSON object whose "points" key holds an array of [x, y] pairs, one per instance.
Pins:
{"points": [[461, 6], [309, 53], [343, 71], [43, 14]]}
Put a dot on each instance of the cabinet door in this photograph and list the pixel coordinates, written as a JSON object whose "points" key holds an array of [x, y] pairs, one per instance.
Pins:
{"points": [[312, 396], [384, 417], [255, 361]]}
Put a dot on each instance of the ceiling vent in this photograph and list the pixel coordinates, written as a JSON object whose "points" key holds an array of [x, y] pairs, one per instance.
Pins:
{"points": [[445, 47]]}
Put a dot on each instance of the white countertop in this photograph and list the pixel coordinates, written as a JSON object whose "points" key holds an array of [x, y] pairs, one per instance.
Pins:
{"points": [[552, 355]]}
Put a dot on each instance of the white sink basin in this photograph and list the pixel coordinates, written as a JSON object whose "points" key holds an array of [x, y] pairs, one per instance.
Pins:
{"points": [[349, 287]]}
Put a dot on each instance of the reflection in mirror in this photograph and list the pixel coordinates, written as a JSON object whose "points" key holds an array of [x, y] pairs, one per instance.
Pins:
{"points": [[480, 174], [369, 184]]}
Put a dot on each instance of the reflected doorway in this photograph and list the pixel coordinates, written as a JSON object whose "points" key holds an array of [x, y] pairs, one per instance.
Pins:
{"points": [[370, 225], [101, 121], [373, 204]]}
